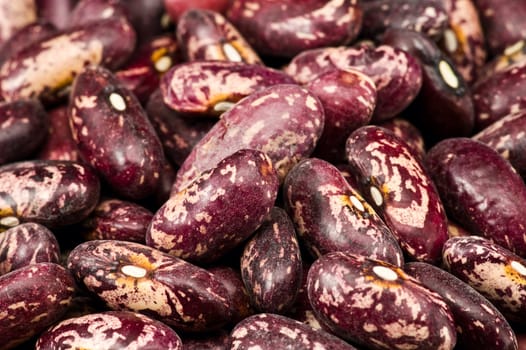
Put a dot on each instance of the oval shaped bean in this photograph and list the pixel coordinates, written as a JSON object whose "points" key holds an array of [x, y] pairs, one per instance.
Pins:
{"points": [[32, 298], [271, 265], [131, 276], [492, 270], [110, 330], [480, 190], [217, 211], [86, 11], [27, 244], [394, 181], [59, 143], [52, 193], [377, 305], [330, 215], [479, 324], [267, 331], [113, 133]]}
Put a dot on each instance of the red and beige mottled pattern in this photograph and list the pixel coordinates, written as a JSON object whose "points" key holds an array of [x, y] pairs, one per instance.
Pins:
{"points": [[110, 330], [425, 16], [499, 95], [23, 125], [396, 74], [330, 215], [218, 211], [302, 310], [492, 270], [25, 36], [285, 28], [283, 121], [349, 99], [405, 130], [59, 143], [32, 298], [267, 331], [395, 183], [178, 133], [27, 244], [52, 193], [507, 136], [113, 133], [377, 305], [197, 87], [119, 220], [131, 276], [143, 72], [480, 190], [271, 264], [46, 67], [205, 35], [14, 15], [479, 324], [463, 39]]}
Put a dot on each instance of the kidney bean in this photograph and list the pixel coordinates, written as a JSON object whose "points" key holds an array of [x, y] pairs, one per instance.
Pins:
{"points": [[25, 36], [348, 98], [405, 130], [207, 35], [267, 331], [119, 220], [480, 190], [131, 276], [377, 305], [14, 16], [271, 264], [110, 330], [56, 11], [178, 133], [23, 125], [463, 39], [503, 22], [203, 87], [196, 224], [32, 298], [86, 11], [428, 17], [330, 215], [113, 133], [45, 68], [444, 98], [286, 28], [27, 244], [149, 18], [492, 270], [52, 193], [59, 143], [394, 181], [302, 310], [499, 94], [479, 324], [283, 121]]}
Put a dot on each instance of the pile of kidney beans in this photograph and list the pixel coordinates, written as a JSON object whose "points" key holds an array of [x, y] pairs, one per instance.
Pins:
{"points": [[262, 174]]}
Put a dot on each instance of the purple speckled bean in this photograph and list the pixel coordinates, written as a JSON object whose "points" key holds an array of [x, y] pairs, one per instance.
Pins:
{"points": [[86, 11], [59, 144], [27, 244], [45, 68], [283, 121], [23, 128], [218, 211], [202, 87], [110, 330], [113, 133], [131, 276], [479, 324], [205, 35], [349, 99], [492, 270], [271, 264], [394, 181], [302, 310], [32, 298], [15, 15], [26, 36], [329, 215], [285, 28], [267, 331], [377, 305], [52, 193], [480, 190], [119, 220], [405, 130]]}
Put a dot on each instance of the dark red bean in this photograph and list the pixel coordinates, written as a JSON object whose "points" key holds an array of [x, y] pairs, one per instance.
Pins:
{"points": [[113, 133], [219, 340], [86, 11], [59, 144], [176, 8], [149, 18]]}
